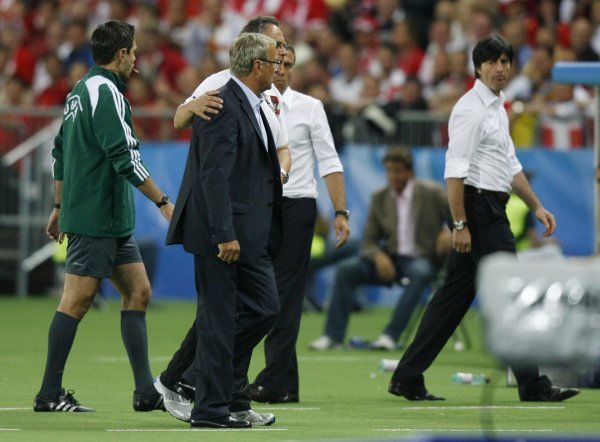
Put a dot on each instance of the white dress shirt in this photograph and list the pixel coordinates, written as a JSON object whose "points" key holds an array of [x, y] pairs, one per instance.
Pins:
{"points": [[480, 149], [310, 137], [255, 104], [406, 222], [272, 111]]}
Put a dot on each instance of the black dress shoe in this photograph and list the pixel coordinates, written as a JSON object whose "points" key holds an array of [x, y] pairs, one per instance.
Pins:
{"points": [[186, 391], [412, 393], [148, 402], [258, 393], [554, 394], [220, 422]]}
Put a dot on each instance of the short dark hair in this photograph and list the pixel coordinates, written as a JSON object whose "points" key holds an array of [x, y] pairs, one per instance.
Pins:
{"points": [[399, 154], [258, 24], [291, 49], [491, 49], [108, 38]]}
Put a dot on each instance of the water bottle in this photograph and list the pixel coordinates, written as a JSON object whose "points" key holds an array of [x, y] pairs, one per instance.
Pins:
{"points": [[470, 378], [388, 364]]}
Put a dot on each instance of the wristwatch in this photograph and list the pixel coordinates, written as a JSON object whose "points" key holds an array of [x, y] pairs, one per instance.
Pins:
{"points": [[459, 225], [163, 201], [285, 177], [344, 213]]}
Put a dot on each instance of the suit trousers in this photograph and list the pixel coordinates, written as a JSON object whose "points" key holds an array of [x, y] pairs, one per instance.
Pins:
{"points": [[490, 232], [354, 272], [291, 266], [237, 306]]}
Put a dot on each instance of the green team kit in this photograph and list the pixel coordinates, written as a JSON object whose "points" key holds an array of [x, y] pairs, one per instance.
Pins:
{"points": [[96, 156]]}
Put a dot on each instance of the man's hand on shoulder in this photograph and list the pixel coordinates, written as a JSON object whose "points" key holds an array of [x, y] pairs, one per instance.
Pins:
{"points": [[229, 252], [206, 105]]}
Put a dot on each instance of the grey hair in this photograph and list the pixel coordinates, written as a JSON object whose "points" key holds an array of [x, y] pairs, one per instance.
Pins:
{"points": [[245, 50]]}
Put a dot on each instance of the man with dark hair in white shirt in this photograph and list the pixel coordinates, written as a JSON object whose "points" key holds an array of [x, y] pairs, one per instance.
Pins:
{"points": [[309, 138], [481, 170]]}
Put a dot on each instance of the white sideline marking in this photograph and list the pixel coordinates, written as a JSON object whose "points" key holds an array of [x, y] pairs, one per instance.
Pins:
{"points": [[10, 429], [169, 430], [482, 407], [15, 408], [286, 408], [122, 359], [333, 358], [459, 430]]}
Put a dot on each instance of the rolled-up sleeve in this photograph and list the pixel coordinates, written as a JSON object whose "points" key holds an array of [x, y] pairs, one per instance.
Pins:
{"points": [[322, 142], [464, 133], [515, 164]]}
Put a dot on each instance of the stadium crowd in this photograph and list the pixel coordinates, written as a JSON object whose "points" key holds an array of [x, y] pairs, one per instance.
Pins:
{"points": [[369, 61]]}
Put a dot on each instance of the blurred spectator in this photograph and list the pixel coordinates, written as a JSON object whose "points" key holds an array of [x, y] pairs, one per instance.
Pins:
{"points": [[56, 92], [391, 78], [514, 31], [581, 37], [439, 40], [451, 86], [76, 44], [410, 55], [157, 61], [366, 38], [595, 18], [21, 59], [388, 13], [561, 119], [346, 87]]}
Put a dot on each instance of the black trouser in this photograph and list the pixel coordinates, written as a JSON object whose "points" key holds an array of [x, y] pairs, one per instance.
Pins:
{"points": [[237, 307], [291, 266], [490, 232]]}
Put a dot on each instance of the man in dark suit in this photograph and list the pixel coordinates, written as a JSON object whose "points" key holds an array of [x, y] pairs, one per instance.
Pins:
{"points": [[228, 216], [402, 242]]}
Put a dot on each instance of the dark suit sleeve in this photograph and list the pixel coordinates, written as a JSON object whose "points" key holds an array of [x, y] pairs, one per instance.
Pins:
{"points": [[373, 231], [218, 152]]}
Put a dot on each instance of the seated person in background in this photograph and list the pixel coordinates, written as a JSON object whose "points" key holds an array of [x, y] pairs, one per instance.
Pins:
{"points": [[400, 245]]}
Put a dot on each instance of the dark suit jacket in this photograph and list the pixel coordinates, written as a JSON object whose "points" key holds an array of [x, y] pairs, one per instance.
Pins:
{"points": [[429, 212], [231, 187]]}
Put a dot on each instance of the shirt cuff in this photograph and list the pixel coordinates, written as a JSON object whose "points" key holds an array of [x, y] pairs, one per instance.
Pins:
{"points": [[329, 166], [456, 168]]}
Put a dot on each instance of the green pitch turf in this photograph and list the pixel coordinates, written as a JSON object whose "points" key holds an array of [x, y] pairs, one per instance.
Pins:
{"points": [[343, 395]]}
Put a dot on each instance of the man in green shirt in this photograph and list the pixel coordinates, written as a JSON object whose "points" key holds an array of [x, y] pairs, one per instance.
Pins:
{"points": [[96, 158]]}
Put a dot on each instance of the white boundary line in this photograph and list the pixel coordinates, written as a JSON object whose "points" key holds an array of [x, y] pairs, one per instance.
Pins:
{"points": [[179, 430], [10, 429], [482, 407], [15, 408], [459, 430]]}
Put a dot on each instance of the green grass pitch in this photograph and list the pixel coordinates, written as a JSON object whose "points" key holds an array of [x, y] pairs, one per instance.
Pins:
{"points": [[342, 394]]}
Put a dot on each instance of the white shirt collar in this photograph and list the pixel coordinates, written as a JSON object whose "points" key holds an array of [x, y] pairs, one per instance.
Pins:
{"points": [[254, 100], [486, 95], [288, 97]]}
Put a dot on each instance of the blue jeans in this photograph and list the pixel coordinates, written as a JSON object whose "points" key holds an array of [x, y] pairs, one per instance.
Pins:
{"points": [[356, 271]]}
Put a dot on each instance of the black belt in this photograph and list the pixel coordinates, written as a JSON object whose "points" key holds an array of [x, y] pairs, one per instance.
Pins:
{"points": [[502, 196]]}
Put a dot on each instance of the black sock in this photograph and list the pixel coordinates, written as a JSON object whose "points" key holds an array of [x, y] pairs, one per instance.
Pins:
{"points": [[133, 331], [60, 340]]}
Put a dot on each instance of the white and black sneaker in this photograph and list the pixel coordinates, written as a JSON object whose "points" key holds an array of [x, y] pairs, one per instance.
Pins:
{"points": [[65, 402]]}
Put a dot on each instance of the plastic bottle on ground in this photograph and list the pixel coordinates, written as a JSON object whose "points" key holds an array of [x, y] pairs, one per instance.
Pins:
{"points": [[470, 378]]}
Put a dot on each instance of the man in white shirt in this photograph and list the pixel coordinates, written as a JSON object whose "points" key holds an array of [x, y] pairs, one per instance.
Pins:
{"points": [[310, 138], [204, 101], [177, 381], [481, 170]]}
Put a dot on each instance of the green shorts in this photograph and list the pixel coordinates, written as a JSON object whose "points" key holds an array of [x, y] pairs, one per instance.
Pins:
{"points": [[90, 256]]}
